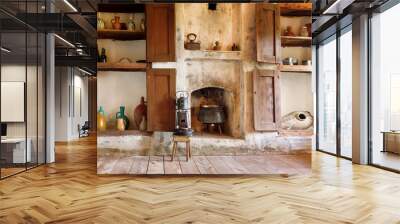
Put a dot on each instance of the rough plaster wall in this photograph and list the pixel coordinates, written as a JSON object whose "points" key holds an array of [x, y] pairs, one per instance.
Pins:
{"points": [[296, 93], [115, 50], [213, 25], [126, 88], [233, 23]]}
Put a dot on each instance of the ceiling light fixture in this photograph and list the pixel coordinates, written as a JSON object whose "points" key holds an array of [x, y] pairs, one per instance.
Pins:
{"points": [[70, 5], [84, 71], [337, 7], [64, 40], [5, 49]]}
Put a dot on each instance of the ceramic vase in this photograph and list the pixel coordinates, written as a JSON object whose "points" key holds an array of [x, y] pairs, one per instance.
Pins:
{"points": [[116, 24], [121, 124], [121, 115], [131, 24], [101, 120]]}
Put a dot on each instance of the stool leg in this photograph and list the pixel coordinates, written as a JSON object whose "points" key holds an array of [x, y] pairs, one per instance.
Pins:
{"points": [[219, 129], [190, 151], [173, 151], [187, 151]]}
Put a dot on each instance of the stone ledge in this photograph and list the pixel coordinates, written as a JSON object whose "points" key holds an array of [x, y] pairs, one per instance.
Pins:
{"points": [[253, 144]]}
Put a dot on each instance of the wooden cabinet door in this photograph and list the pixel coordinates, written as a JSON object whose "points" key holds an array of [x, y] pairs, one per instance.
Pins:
{"points": [[268, 33], [161, 99], [160, 32], [266, 100]]}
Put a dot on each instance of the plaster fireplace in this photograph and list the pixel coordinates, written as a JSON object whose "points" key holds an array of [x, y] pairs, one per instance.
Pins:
{"points": [[215, 82]]}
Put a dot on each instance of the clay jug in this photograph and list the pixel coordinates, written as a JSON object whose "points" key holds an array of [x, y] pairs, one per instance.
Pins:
{"points": [[140, 112], [121, 115], [116, 24], [101, 120]]}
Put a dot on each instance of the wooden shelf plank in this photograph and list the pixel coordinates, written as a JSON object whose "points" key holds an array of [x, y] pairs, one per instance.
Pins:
{"points": [[296, 68], [295, 9], [121, 8], [127, 67], [120, 34], [212, 55], [296, 41]]}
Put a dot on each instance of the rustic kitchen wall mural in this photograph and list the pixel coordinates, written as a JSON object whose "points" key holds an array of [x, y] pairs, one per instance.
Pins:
{"points": [[204, 88]]}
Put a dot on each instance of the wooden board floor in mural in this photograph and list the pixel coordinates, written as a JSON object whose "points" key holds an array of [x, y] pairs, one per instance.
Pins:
{"points": [[204, 165], [70, 191]]}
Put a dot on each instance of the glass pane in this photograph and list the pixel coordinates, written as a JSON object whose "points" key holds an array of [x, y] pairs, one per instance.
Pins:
{"points": [[327, 97], [346, 94], [41, 98], [31, 100], [13, 86], [385, 84]]}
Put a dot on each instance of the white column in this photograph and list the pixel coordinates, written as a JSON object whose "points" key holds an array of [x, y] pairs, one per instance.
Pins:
{"points": [[50, 98], [360, 90]]}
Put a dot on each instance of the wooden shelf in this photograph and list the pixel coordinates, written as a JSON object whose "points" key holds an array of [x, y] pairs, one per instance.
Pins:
{"points": [[296, 68], [124, 67], [296, 41], [212, 55], [120, 34], [121, 8], [296, 9]]}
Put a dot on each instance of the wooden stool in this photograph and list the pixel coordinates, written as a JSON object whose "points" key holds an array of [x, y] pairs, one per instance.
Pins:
{"points": [[176, 140]]}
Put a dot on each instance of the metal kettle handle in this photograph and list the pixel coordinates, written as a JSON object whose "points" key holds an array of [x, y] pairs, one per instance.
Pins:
{"points": [[191, 37]]}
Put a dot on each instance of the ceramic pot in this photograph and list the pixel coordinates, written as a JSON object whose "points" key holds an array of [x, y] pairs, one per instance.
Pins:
{"points": [[212, 114], [131, 24], [297, 120], [116, 24], [304, 31], [100, 24], [142, 26]]}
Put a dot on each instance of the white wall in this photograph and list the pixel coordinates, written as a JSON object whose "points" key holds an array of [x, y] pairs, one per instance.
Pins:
{"points": [[16, 73], [68, 81]]}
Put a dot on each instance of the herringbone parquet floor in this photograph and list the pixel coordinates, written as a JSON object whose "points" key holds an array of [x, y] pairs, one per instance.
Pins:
{"points": [[69, 191]]}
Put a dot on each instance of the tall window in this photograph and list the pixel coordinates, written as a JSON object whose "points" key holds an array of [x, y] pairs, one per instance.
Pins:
{"points": [[385, 89], [346, 93], [327, 96]]}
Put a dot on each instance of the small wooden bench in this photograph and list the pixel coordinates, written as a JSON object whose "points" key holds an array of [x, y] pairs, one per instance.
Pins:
{"points": [[176, 140]]}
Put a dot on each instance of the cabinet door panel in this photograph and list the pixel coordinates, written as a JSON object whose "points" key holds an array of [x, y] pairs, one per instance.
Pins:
{"points": [[160, 32], [266, 100], [161, 99], [268, 33]]}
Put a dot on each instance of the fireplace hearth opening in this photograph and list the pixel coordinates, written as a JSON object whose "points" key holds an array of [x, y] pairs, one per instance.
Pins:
{"points": [[210, 111]]}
